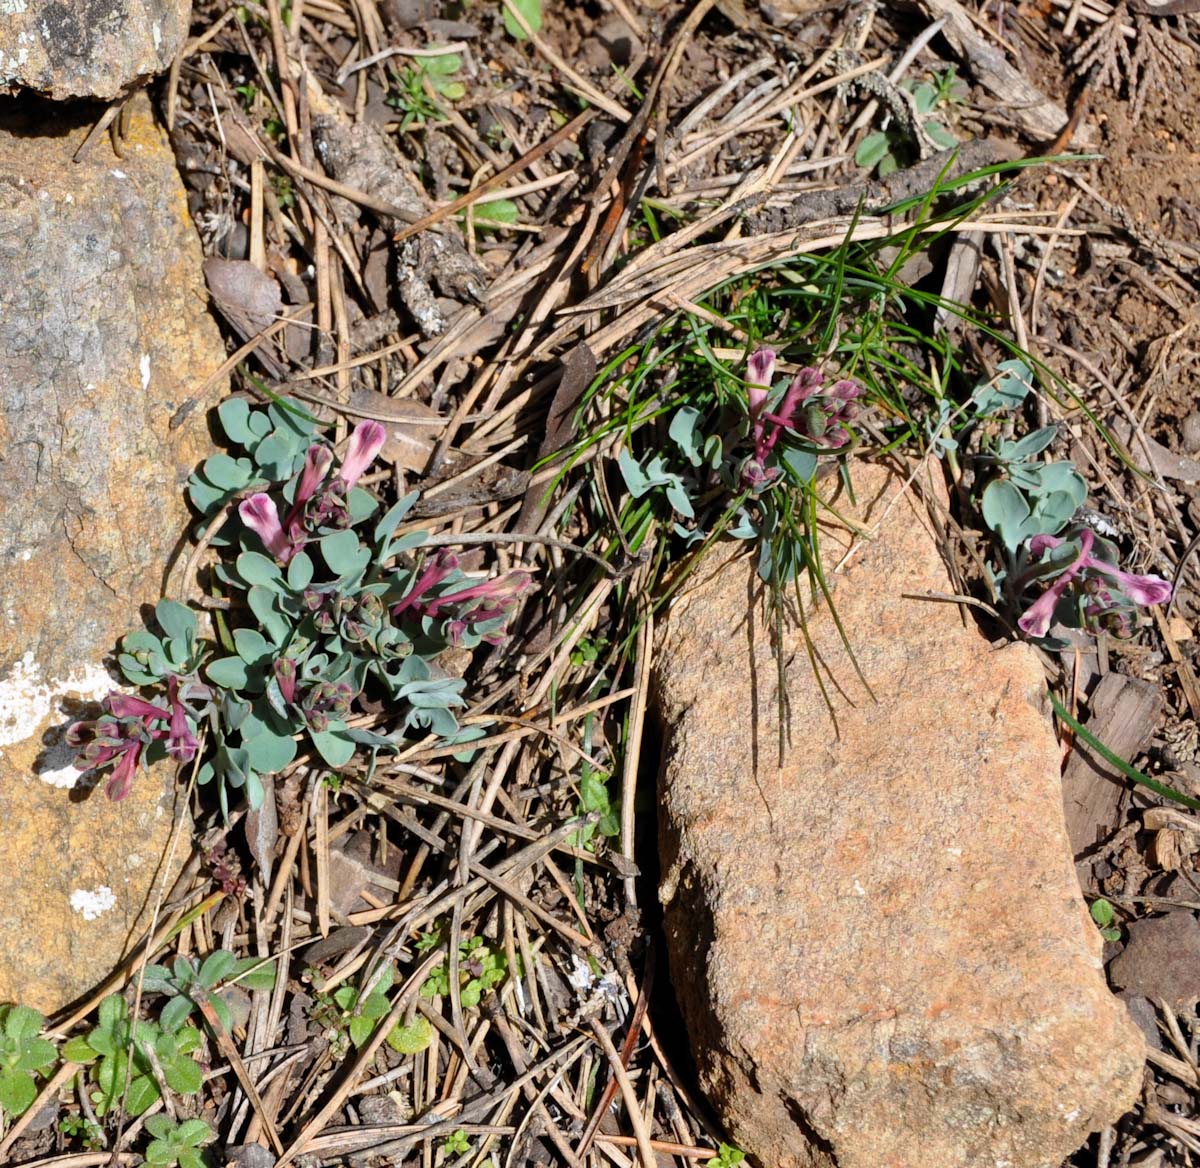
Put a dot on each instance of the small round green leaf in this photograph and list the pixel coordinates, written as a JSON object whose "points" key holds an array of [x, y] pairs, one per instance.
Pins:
{"points": [[332, 747], [228, 672], [300, 572], [17, 1091], [255, 568]]}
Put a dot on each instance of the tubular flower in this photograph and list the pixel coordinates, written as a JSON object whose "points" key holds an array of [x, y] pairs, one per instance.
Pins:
{"points": [[258, 513], [181, 742], [316, 465], [442, 565], [1139, 590], [365, 444], [806, 409], [474, 604], [125, 728]]}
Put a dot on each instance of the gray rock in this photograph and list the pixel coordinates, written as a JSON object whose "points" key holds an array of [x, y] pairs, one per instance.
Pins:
{"points": [[106, 340], [880, 948], [88, 48]]}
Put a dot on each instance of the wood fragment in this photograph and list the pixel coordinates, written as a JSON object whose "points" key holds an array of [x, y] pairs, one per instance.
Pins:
{"points": [[1124, 711]]}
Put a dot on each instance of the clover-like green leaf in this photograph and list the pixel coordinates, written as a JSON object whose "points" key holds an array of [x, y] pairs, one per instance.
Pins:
{"points": [[531, 12]]}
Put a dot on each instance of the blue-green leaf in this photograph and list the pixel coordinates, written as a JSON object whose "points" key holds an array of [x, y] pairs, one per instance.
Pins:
{"points": [[333, 747], [271, 752], [228, 672], [175, 619], [252, 647], [229, 474], [388, 524], [343, 554], [255, 568], [300, 572], [234, 413]]}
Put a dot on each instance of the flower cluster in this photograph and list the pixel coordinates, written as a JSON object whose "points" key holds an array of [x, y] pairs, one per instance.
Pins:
{"points": [[317, 503], [807, 409], [488, 603], [1108, 595], [127, 726]]}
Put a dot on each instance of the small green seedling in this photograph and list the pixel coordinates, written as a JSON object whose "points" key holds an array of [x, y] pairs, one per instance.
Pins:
{"points": [[190, 982], [418, 87], [342, 1014], [481, 966], [890, 150], [23, 1052], [108, 1047], [176, 1143], [85, 1131], [457, 1143], [1105, 918], [726, 1157]]}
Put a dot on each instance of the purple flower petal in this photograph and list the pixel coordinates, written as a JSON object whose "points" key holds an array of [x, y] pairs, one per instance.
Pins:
{"points": [[131, 706], [1035, 620], [365, 444], [316, 465], [443, 564], [120, 782], [1042, 543], [1144, 590], [259, 514]]}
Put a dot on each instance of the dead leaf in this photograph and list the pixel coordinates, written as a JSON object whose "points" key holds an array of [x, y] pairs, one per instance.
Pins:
{"points": [[262, 830], [413, 428], [249, 299], [1153, 457], [579, 367], [1162, 959]]}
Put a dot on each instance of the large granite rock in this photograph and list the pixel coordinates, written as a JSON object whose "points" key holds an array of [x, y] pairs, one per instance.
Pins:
{"points": [[106, 336], [880, 948], [88, 48]]}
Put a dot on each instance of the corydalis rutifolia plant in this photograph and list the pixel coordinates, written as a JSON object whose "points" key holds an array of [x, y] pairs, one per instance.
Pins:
{"points": [[1087, 588], [328, 611], [806, 409]]}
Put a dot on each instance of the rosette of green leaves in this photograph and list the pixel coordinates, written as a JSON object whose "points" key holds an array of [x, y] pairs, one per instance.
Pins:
{"points": [[188, 981], [23, 1052], [108, 1050], [149, 658], [481, 967], [176, 1143], [1035, 498], [361, 1017], [275, 441]]}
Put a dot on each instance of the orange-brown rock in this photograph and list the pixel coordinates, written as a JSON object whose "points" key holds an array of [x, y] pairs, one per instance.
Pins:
{"points": [[106, 338], [879, 947]]}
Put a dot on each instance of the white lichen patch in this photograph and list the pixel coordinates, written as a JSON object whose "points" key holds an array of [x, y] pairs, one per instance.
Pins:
{"points": [[62, 777], [13, 7], [93, 903], [27, 699], [118, 173], [144, 366]]}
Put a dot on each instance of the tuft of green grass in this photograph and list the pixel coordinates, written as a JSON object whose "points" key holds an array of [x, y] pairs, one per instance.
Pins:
{"points": [[666, 417]]}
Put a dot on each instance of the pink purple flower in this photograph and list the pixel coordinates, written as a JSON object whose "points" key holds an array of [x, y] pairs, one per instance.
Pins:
{"points": [[258, 513], [365, 444], [1107, 593], [806, 409]]}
